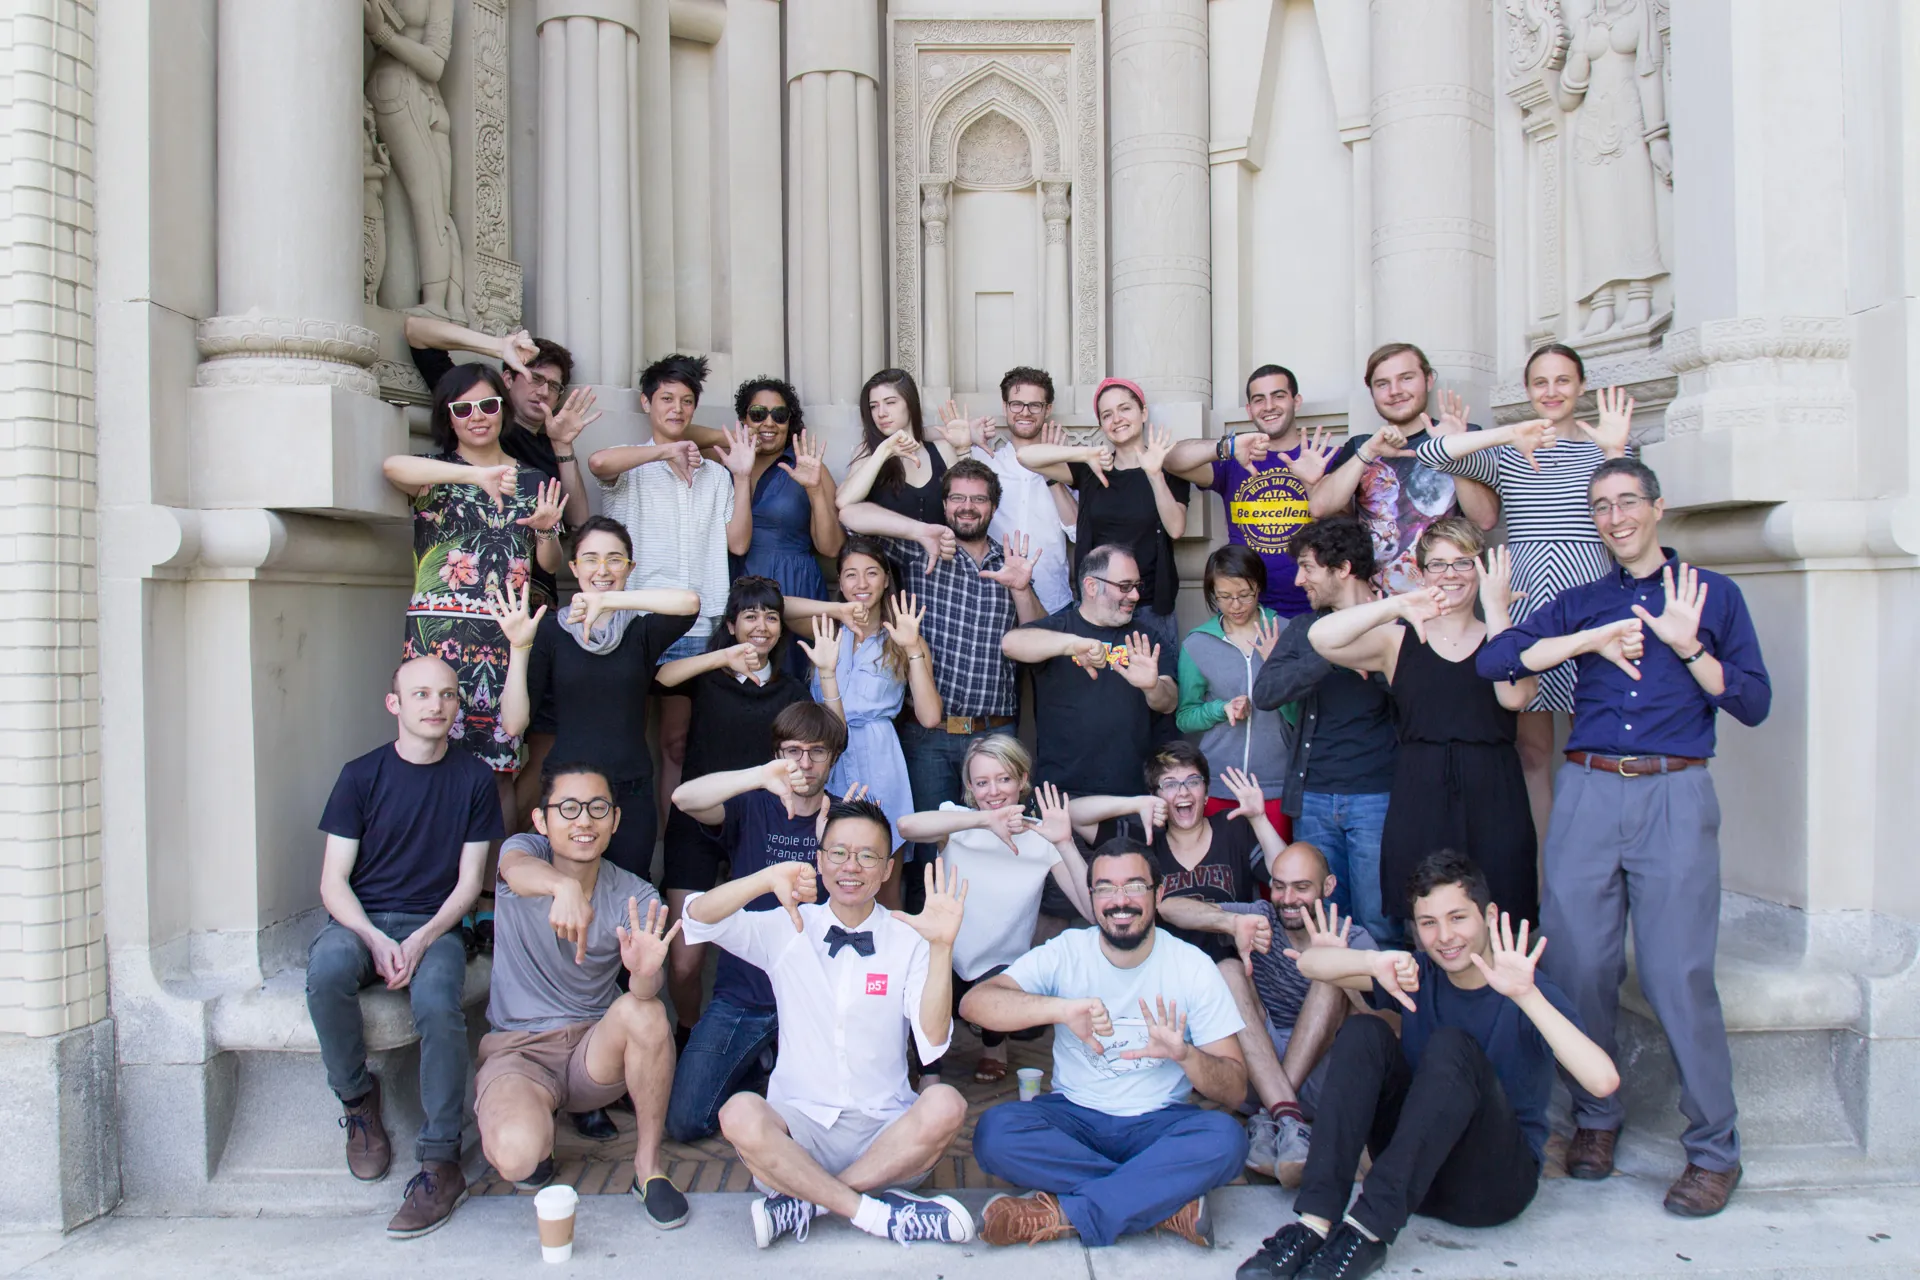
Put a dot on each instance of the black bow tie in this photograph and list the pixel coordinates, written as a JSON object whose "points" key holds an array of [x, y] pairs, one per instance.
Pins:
{"points": [[837, 938]]}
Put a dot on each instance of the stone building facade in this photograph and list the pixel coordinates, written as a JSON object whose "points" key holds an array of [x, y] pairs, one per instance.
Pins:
{"points": [[219, 212]]}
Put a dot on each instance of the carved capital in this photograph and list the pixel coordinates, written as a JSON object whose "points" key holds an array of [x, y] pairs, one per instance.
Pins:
{"points": [[279, 350], [933, 205], [1056, 204]]}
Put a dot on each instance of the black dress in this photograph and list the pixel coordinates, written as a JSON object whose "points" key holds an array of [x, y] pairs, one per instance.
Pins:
{"points": [[1456, 782], [924, 503], [1123, 512]]}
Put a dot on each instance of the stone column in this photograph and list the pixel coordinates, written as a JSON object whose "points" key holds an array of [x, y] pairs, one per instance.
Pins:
{"points": [[290, 272], [936, 365], [1056, 209], [1157, 112], [833, 71], [1432, 185], [56, 1044]]}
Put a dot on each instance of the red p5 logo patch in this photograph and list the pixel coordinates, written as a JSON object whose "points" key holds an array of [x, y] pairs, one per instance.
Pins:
{"points": [[876, 984]]}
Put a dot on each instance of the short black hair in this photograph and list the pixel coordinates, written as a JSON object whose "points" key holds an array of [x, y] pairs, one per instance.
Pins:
{"points": [[743, 401], [1125, 847], [602, 524], [1335, 541], [1094, 564], [1640, 471], [454, 384], [1270, 370], [1440, 869], [1026, 375], [546, 351], [1174, 754], [971, 469], [1233, 560], [866, 810], [752, 591], [552, 772], [809, 722], [689, 371]]}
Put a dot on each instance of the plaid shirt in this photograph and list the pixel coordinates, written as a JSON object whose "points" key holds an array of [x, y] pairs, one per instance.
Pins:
{"points": [[966, 617]]}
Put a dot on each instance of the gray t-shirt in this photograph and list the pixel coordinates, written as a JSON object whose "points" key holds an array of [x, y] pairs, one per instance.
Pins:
{"points": [[1278, 982], [536, 984]]}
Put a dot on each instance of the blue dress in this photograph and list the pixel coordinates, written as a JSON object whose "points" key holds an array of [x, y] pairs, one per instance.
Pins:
{"points": [[782, 546], [871, 697]]}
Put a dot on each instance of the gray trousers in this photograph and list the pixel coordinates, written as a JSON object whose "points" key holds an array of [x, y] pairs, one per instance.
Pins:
{"points": [[339, 965], [1646, 848]]}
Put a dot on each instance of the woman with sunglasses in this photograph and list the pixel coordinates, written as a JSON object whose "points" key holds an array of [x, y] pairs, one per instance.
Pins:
{"points": [[795, 519], [480, 521], [1457, 782]]}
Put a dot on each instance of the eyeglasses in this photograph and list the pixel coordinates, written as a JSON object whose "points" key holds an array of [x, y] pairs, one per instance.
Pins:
{"points": [[465, 408], [1626, 506], [813, 755], [1460, 567], [1238, 597], [1192, 782], [1128, 588], [616, 562], [1131, 889], [1026, 407], [542, 380], [597, 808], [867, 858], [970, 499], [761, 412]]}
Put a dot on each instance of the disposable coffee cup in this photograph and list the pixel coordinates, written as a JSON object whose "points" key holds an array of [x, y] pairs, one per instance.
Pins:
{"points": [[555, 1207], [1029, 1082]]}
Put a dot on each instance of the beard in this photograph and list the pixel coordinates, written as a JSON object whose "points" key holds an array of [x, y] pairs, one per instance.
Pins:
{"points": [[969, 525], [1126, 941]]}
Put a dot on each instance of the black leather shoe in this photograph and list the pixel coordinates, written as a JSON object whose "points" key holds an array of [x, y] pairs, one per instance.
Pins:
{"points": [[1282, 1254], [595, 1126], [1347, 1255]]}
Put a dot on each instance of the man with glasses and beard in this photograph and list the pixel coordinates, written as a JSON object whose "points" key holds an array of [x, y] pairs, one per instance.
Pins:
{"points": [[1141, 1019]]}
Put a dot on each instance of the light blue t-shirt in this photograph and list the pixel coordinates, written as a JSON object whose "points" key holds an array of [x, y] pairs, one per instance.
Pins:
{"points": [[1073, 967]]}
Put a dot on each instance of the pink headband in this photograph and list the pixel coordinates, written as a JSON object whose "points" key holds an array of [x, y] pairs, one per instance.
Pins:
{"points": [[1139, 396]]}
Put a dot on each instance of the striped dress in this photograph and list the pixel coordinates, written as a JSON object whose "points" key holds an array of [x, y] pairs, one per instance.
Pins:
{"points": [[1551, 538]]}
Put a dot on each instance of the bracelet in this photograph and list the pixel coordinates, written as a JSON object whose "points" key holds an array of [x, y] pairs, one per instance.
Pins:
{"points": [[563, 457], [1698, 654]]}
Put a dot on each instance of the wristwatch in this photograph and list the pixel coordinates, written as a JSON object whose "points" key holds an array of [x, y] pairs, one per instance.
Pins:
{"points": [[563, 457], [1698, 654]]}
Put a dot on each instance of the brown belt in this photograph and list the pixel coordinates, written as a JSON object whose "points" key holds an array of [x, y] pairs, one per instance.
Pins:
{"points": [[975, 724], [1634, 766]]}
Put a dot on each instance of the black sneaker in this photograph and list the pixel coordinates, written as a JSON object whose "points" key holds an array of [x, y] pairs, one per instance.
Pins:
{"points": [[1347, 1255], [595, 1125], [1282, 1254], [542, 1174], [661, 1201]]}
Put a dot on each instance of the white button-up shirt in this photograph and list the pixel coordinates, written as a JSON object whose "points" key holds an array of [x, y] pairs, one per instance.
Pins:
{"points": [[840, 1042], [679, 531], [1027, 507]]}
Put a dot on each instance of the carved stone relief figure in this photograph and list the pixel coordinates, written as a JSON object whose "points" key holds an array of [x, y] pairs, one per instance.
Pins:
{"points": [[374, 167], [1611, 90], [413, 39]]}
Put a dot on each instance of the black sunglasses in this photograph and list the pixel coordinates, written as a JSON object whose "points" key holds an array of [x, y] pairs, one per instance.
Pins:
{"points": [[760, 413]]}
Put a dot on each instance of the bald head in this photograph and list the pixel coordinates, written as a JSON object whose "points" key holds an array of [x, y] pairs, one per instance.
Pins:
{"points": [[1299, 879], [426, 667], [425, 697]]}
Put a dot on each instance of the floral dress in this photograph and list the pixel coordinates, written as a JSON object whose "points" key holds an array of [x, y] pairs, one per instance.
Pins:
{"points": [[464, 548]]}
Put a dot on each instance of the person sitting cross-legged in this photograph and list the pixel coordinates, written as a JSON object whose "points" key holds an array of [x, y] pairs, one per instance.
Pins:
{"points": [[566, 921], [1141, 1019], [840, 1127], [1454, 1112]]}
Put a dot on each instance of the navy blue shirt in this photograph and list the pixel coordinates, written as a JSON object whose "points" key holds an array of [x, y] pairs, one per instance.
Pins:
{"points": [[757, 833], [1520, 1055], [411, 820], [1665, 712]]}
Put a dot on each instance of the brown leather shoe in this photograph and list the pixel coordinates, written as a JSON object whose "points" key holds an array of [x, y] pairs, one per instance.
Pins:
{"points": [[1191, 1222], [432, 1196], [369, 1154], [1023, 1219], [1590, 1154], [1701, 1193]]}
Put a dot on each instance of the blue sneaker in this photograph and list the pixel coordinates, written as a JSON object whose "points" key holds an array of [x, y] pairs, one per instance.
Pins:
{"points": [[914, 1217], [776, 1215]]}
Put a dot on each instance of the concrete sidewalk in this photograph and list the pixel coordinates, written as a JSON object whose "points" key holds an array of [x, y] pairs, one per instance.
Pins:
{"points": [[1573, 1230]]}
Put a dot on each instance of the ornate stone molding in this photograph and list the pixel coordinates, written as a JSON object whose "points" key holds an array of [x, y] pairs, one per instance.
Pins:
{"points": [[1536, 36], [933, 211], [493, 277], [1755, 371], [256, 349], [1056, 209], [1759, 338], [1044, 76]]}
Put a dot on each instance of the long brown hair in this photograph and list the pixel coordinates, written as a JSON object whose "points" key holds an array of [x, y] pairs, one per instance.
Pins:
{"points": [[894, 473]]}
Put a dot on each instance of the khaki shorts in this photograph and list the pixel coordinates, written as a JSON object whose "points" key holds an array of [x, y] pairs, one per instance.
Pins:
{"points": [[834, 1147], [555, 1060]]}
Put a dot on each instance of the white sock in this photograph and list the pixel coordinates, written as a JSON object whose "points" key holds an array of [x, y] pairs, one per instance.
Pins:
{"points": [[1354, 1223], [872, 1217]]}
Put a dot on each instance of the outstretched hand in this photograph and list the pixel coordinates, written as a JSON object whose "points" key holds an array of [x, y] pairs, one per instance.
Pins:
{"points": [[809, 461], [643, 948], [1614, 432], [1166, 1032], [824, 652], [1453, 412], [510, 611], [1142, 667], [1678, 625], [1055, 825], [550, 503], [1246, 789], [1016, 565], [939, 917], [1310, 465], [1511, 973], [1324, 928], [575, 414]]}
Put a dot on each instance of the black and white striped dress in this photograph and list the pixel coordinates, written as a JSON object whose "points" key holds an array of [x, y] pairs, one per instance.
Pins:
{"points": [[1551, 538]]}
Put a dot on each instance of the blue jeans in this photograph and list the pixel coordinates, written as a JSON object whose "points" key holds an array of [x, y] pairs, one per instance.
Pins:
{"points": [[1112, 1174], [339, 965], [1347, 828], [725, 1047], [933, 771]]}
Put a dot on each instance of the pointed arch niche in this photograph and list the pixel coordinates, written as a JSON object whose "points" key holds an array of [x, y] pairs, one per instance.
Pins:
{"points": [[997, 248]]}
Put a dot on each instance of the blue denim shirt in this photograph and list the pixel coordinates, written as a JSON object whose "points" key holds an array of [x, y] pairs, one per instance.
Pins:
{"points": [[1665, 712]]}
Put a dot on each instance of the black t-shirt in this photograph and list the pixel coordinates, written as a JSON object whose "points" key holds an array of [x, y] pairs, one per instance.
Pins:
{"points": [[732, 723], [1122, 512], [1224, 875], [411, 820], [757, 833], [596, 703], [528, 448], [1355, 741], [1094, 734]]}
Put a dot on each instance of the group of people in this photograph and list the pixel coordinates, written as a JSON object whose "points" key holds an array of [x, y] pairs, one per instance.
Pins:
{"points": [[1317, 839]]}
